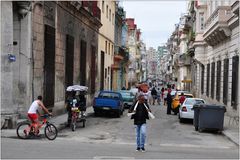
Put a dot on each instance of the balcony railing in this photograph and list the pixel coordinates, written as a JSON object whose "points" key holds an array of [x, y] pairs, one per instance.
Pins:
{"points": [[221, 14], [216, 26]]}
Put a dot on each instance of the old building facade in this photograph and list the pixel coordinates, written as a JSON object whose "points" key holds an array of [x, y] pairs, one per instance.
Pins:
{"points": [[106, 44], [217, 53], [209, 41], [46, 47]]}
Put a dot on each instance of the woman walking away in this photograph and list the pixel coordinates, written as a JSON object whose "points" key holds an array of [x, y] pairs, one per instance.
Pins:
{"points": [[141, 114]]}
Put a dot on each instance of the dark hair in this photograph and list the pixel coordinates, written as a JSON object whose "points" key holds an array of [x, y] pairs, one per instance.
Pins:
{"points": [[39, 97]]}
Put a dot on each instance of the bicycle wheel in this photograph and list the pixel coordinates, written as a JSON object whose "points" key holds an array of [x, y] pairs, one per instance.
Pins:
{"points": [[23, 130], [50, 131], [73, 124]]}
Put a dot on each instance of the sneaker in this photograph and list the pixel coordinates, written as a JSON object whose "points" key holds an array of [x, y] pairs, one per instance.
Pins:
{"points": [[143, 149], [138, 149]]}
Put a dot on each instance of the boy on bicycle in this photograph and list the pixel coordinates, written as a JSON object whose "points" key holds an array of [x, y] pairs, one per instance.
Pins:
{"points": [[33, 112]]}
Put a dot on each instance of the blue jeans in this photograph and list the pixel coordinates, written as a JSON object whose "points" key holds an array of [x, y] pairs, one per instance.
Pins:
{"points": [[140, 135]]}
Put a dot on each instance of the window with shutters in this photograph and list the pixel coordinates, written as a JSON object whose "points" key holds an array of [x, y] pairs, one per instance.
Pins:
{"points": [[69, 61], [218, 81], [212, 79], [235, 70], [93, 69], [83, 62], [202, 79], [225, 81], [208, 79], [49, 66]]}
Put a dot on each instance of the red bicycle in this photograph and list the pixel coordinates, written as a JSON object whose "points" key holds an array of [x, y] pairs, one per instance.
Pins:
{"points": [[26, 130]]}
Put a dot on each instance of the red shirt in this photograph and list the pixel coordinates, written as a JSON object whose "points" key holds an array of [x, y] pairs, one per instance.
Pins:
{"points": [[182, 99]]}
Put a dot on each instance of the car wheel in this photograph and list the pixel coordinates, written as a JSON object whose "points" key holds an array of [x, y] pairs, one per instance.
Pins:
{"points": [[196, 128], [118, 113], [96, 113], [122, 111], [181, 120]]}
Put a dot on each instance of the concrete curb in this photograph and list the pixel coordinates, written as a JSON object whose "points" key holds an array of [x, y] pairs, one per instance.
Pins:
{"points": [[230, 137]]}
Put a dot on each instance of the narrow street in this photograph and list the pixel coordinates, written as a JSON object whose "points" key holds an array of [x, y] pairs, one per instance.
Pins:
{"points": [[107, 137]]}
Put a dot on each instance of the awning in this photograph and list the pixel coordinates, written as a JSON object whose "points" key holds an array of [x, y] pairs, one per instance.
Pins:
{"points": [[187, 81]]}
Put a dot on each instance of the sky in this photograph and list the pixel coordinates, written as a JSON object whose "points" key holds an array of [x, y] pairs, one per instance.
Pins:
{"points": [[156, 19]]}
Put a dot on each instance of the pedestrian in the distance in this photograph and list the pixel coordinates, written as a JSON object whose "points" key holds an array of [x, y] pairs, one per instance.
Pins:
{"points": [[182, 98], [169, 103], [141, 115], [154, 95]]}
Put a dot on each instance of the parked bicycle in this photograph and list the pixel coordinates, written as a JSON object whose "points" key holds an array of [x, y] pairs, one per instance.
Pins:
{"points": [[26, 130]]}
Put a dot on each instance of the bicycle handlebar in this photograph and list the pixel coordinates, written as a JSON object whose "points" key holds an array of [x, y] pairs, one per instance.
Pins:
{"points": [[45, 115]]}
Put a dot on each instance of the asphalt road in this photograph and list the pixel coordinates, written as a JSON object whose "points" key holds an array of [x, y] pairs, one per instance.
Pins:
{"points": [[107, 137]]}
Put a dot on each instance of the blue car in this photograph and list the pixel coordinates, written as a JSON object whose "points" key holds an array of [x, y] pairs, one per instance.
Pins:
{"points": [[108, 101]]}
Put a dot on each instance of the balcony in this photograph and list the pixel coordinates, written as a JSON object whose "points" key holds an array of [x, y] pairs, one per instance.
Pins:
{"points": [[235, 8], [115, 67], [96, 12], [216, 26], [118, 57], [183, 60], [120, 53], [92, 8]]}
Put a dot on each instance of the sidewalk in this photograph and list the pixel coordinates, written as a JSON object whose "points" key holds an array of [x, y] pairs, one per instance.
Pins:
{"points": [[231, 128], [59, 121]]}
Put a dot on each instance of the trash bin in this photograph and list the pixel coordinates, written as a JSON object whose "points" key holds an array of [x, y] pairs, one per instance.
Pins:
{"points": [[209, 117]]}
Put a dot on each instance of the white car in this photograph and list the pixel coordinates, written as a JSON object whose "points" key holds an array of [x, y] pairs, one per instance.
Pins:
{"points": [[185, 110]]}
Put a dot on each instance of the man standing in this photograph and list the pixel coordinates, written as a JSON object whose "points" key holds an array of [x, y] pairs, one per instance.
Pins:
{"points": [[140, 116], [169, 103], [154, 95]]}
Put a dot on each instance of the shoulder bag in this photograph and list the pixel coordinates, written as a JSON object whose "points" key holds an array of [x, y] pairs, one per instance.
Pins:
{"points": [[149, 113]]}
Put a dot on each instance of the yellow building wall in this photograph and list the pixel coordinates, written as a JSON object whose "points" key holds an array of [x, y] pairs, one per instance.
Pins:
{"points": [[106, 36]]}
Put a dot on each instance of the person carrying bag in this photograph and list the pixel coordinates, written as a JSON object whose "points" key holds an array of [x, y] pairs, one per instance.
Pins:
{"points": [[140, 113]]}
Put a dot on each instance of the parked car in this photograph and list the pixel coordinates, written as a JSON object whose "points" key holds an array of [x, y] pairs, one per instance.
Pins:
{"points": [[128, 98], [173, 92], [108, 101], [185, 110], [134, 91], [175, 101]]}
